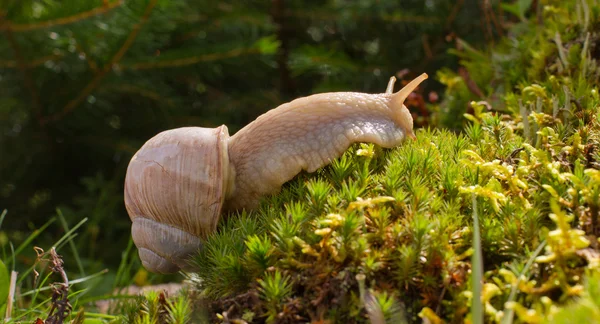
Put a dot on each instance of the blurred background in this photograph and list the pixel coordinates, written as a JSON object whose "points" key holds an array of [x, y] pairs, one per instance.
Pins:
{"points": [[83, 84]]}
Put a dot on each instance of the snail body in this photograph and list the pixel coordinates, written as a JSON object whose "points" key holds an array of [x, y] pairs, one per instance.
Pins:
{"points": [[180, 181]]}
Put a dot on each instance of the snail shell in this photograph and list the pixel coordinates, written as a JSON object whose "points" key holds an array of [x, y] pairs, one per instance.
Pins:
{"points": [[174, 192]]}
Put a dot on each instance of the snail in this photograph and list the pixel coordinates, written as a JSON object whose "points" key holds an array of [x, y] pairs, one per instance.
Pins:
{"points": [[181, 180]]}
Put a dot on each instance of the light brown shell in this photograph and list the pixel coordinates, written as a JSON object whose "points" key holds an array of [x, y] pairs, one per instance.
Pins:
{"points": [[174, 191]]}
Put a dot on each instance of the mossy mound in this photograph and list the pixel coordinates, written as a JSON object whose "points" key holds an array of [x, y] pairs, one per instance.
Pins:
{"points": [[387, 235]]}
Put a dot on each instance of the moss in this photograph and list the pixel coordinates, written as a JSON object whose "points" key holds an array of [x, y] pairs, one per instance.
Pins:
{"points": [[387, 234]]}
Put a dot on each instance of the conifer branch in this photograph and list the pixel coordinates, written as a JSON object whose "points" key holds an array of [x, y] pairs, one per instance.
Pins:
{"points": [[93, 84], [190, 60], [7, 25], [138, 91], [22, 65], [333, 15], [8, 64], [91, 64]]}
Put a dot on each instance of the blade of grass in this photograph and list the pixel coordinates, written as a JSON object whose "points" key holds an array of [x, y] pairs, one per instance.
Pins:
{"points": [[34, 308], [31, 237], [42, 284], [100, 315], [509, 313], [74, 295], [92, 299], [124, 266], [65, 226], [477, 264], [71, 283], [66, 241], [4, 212], [67, 236], [70, 232]]}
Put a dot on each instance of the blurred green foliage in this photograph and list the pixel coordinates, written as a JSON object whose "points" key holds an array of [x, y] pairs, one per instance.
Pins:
{"points": [[83, 84]]}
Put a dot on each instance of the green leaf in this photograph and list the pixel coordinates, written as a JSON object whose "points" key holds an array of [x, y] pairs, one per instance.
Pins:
{"points": [[93, 321], [4, 283]]}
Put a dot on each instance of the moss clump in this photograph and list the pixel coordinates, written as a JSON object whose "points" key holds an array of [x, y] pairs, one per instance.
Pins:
{"points": [[386, 235]]}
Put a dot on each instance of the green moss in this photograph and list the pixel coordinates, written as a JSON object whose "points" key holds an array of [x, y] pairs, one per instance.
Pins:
{"points": [[382, 234]]}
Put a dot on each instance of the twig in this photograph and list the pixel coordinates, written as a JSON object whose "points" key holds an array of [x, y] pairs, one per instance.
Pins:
{"points": [[61, 308], [471, 85], [427, 47], [485, 22], [7, 25], [139, 91], [57, 266], [11, 294], [453, 13], [189, 60], [355, 16], [7, 64], [492, 13], [439, 42], [91, 64], [501, 18], [91, 86]]}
